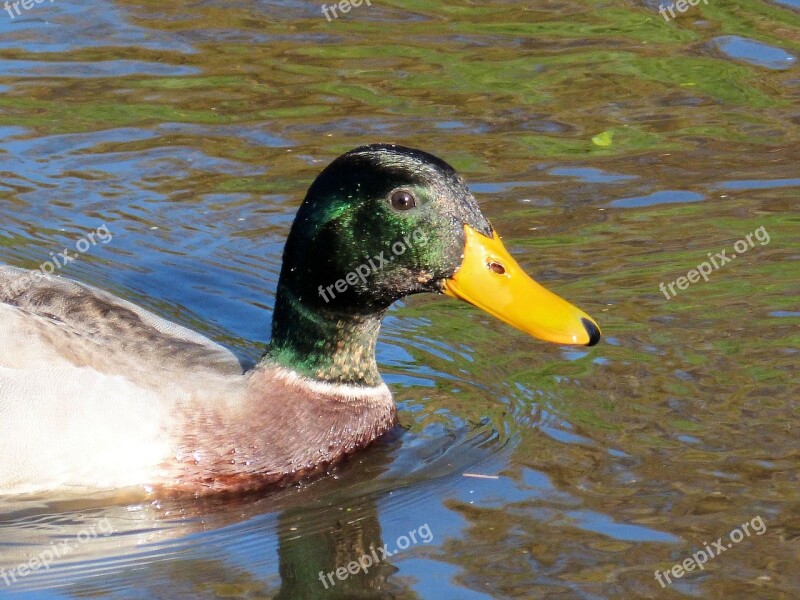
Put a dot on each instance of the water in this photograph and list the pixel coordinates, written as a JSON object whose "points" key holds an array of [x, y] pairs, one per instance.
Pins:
{"points": [[192, 131]]}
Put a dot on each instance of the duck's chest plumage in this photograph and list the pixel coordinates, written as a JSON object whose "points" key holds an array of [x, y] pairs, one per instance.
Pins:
{"points": [[284, 428]]}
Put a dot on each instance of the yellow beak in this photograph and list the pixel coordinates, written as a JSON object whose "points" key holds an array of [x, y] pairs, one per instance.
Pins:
{"points": [[493, 281]]}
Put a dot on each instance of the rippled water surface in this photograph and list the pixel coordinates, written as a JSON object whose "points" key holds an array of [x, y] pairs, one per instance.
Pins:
{"points": [[614, 150]]}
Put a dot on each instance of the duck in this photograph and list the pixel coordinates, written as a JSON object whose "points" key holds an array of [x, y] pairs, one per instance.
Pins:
{"points": [[97, 393]]}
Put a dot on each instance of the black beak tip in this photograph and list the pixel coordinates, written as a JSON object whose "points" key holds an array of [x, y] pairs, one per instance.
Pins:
{"points": [[592, 330]]}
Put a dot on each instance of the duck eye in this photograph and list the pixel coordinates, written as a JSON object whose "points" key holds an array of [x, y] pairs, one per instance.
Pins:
{"points": [[403, 200]]}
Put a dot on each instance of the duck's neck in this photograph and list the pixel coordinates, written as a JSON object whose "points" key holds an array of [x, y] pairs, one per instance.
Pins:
{"points": [[332, 347]]}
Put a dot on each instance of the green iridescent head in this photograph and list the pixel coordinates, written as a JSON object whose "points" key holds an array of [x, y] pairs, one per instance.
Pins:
{"points": [[379, 223], [382, 222]]}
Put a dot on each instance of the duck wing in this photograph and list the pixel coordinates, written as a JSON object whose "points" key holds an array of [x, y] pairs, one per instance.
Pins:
{"points": [[47, 319]]}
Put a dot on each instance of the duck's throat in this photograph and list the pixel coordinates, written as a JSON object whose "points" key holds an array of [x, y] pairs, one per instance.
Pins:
{"points": [[327, 346]]}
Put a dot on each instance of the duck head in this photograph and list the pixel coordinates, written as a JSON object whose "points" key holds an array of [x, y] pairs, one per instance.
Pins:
{"points": [[382, 222]]}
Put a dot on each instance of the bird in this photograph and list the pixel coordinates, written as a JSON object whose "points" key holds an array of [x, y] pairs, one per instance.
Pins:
{"points": [[97, 393]]}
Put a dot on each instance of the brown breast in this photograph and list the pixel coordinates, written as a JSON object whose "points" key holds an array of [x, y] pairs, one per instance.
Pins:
{"points": [[284, 429]]}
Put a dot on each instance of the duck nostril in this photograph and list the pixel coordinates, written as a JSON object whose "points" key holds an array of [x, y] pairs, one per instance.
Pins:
{"points": [[496, 267]]}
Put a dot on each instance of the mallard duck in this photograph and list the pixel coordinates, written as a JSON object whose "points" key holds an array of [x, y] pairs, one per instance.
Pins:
{"points": [[98, 393]]}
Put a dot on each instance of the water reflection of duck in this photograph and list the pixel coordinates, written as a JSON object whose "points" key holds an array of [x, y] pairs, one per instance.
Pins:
{"points": [[96, 392]]}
